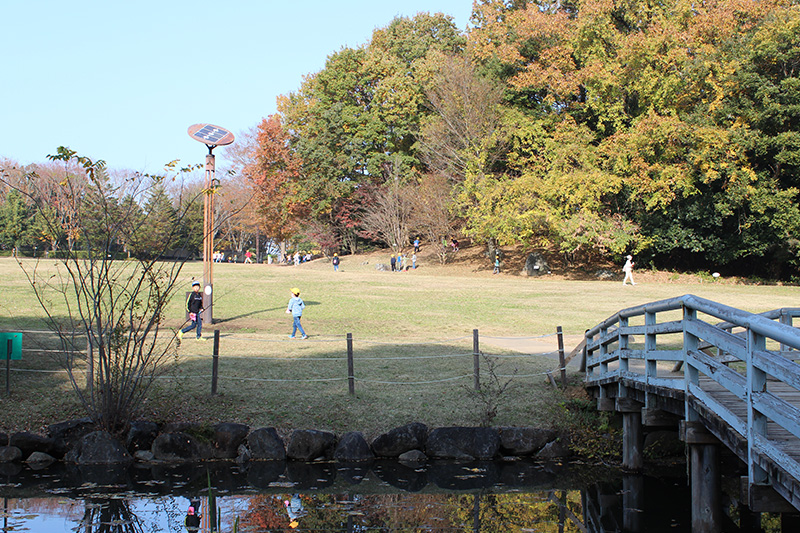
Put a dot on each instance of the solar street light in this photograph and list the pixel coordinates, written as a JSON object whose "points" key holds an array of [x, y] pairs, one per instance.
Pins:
{"points": [[212, 136]]}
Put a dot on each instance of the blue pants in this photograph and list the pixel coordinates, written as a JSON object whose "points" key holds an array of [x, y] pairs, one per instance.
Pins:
{"points": [[296, 325], [195, 324]]}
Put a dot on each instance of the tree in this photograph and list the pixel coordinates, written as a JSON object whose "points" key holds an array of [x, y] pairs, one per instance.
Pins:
{"points": [[117, 305], [14, 221], [389, 218], [434, 212]]}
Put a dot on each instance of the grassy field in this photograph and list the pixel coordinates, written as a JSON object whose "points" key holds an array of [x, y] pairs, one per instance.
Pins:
{"points": [[412, 336]]}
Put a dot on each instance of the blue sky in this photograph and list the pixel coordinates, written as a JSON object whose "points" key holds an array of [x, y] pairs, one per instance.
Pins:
{"points": [[122, 81]]}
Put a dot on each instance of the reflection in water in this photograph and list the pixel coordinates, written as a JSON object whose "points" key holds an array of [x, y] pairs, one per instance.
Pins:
{"points": [[383, 497], [109, 515]]}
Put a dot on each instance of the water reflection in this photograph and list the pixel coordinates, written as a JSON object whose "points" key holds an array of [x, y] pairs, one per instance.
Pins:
{"points": [[381, 497]]}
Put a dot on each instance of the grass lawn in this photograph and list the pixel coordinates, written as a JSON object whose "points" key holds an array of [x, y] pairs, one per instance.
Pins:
{"points": [[412, 336]]}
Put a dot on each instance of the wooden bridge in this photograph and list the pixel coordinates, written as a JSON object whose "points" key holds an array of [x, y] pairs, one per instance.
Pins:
{"points": [[726, 376]]}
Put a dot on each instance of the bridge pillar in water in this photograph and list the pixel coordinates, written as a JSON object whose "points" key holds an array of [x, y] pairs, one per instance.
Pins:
{"points": [[633, 503], [704, 477], [632, 433]]}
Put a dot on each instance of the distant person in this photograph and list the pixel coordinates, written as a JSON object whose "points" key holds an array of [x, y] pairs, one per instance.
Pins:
{"points": [[414, 261], [399, 262], [192, 521], [296, 258], [248, 257], [295, 308], [416, 245], [454, 244], [194, 304], [393, 262], [627, 268], [496, 263], [335, 262]]}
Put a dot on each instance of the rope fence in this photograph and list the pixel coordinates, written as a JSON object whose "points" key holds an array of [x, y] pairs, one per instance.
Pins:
{"points": [[349, 356]]}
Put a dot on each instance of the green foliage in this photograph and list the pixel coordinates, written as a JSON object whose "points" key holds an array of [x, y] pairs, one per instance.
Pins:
{"points": [[593, 433]]}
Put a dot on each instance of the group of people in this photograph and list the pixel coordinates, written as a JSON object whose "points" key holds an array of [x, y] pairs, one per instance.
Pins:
{"points": [[400, 262], [195, 306]]}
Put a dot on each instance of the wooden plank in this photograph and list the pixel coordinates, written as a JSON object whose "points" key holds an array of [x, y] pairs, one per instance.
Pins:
{"points": [[719, 338], [730, 418], [779, 411], [785, 370], [674, 326], [731, 380]]}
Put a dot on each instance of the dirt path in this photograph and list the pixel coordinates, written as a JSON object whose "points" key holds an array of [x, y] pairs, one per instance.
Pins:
{"points": [[546, 346]]}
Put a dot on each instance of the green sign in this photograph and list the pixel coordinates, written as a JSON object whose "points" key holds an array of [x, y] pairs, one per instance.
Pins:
{"points": [[16, 345]]}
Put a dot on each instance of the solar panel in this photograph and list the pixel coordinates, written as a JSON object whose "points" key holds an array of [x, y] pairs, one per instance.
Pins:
{"points": [[210, 134]]}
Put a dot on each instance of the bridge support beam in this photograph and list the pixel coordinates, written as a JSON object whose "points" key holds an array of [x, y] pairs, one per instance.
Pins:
{"points": [[632, 434], [704, 476], [633, 503]]}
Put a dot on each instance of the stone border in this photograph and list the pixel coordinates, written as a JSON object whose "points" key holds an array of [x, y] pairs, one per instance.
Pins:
{"points": [[78, 442]]}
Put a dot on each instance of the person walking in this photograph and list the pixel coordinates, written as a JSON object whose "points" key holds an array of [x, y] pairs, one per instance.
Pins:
{"points": [[496, 264], [628, 270], [295, 308], [416, 245], [393, 263], [248, 257], [335, 262], [414, 261], [194, 304]]}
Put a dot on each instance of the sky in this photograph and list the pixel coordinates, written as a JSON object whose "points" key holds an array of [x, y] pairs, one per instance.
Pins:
{"points": [[122, 81]]}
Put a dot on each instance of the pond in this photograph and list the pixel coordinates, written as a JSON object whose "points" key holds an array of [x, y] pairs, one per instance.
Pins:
{"points": [[381, 497]]}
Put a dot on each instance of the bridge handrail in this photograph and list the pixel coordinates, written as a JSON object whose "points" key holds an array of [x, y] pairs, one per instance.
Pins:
{"points": [[700, 337]]}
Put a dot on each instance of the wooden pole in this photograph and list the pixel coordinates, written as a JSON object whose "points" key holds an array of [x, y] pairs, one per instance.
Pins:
{"points": [[561, 361], [215, 363], [476, 359], [8, 367], [351, 378], [89, 366]]}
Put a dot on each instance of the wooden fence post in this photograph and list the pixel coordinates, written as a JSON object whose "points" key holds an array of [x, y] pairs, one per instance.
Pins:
{"points": [[89, 366], [476, 359], [10, 346], [561, 361], [215, 363], [351, 379]]}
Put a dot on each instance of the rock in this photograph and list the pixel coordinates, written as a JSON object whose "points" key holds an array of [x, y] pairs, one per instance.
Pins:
{"points": [[463, 443], [227, 438], [10, 469], [524, 440], [605, 274], [96, 448], [554, 450], [141, 435], [31, 442], [310, 444], [658, 444], [400, 440], [40, 459], [266, 445], [66, 434], [9, 454], [535, 265], [144, 456], [3, 439], [176, 447], [412, 457], [353, 448]]}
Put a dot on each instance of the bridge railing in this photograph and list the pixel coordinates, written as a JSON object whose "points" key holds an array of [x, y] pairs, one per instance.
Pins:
{"points": [[748, 354]]}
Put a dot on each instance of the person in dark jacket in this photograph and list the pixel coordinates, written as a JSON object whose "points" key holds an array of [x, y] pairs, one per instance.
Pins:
{"points": [[194, 304], [192, 521]]}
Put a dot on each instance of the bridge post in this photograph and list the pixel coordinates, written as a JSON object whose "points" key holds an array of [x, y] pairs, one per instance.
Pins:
{"points": [[632, 434], [704, 477]]}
